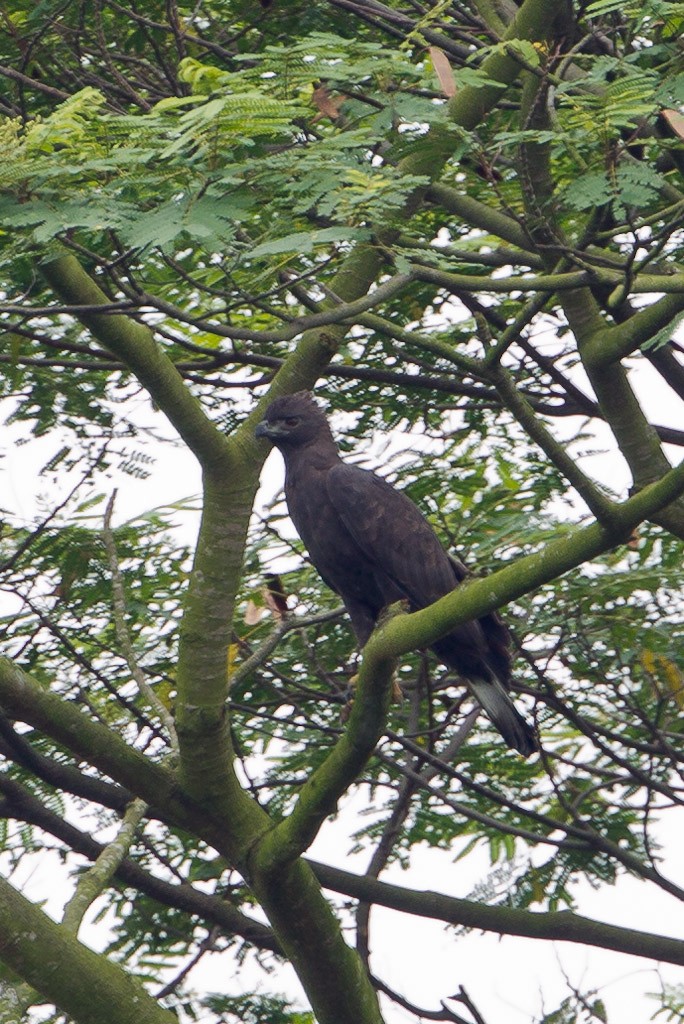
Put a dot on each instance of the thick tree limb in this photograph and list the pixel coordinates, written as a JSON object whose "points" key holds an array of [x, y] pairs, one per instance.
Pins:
{"points": [[22, 698], [134, 343], [478, 596], [651, 319], [83, 984], [24, 806], [559, 925], [319, 796], [613, 343], [534, 21]]}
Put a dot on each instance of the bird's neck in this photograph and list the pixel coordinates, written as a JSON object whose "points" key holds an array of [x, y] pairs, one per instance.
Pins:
{"points": [[317, 457]]}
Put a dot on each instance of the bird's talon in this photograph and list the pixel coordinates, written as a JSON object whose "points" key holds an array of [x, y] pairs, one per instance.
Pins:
{"points": [[346, 711]]}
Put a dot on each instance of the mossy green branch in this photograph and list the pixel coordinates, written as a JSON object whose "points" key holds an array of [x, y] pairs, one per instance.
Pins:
{"points": [[318, 797], [206, 761], [134, 344], [533, 22], [479, 215], [636, 437], [491, 14], [646, 284], [329, 313], [476, 283], [95, 880], [331, 972], [479, 596], [25, 700], [613, 343], [650, 319], [564, 926], [83, 984]]}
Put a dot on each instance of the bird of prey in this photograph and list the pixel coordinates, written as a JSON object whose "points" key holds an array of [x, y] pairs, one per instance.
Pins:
{"points": [[373, 547]]}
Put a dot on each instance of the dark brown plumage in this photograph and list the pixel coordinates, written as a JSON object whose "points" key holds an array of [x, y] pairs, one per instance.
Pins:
{"points": [[373, 546]]}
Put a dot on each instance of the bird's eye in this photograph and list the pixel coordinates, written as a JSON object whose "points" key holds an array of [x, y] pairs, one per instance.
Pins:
{"points": [[292, 421]]}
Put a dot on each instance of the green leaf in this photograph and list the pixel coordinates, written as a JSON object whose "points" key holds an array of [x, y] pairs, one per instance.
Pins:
{"points": [[588, 191], [663, 337], [638, 185], [306, 241]]}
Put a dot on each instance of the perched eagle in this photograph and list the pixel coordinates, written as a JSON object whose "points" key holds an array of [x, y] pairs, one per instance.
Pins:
{"points": [[373, 546]]}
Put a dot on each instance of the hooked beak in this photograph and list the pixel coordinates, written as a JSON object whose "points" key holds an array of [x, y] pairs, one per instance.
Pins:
{"points": [[267, 429]]}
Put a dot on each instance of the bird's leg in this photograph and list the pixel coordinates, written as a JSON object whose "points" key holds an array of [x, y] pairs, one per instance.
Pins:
{"points": [[397, 607], [397, 695], [363, 630]]}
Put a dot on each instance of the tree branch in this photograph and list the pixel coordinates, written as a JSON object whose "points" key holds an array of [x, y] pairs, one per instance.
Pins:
{"points": [[557, 925], [134, 343], [319, 796], [24, 806], [476, 597], [93, 883], [83, 984], [614, 343]]}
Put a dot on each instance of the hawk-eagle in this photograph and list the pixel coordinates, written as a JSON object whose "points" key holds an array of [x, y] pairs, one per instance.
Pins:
{"points": [[373, 547]]}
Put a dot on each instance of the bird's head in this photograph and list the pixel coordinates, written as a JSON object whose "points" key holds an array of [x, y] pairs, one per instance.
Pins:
{"points": [[293, 421]]}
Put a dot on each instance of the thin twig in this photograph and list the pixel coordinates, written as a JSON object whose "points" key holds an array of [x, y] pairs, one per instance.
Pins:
{"points": [[93, 883], [123, 634]]}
